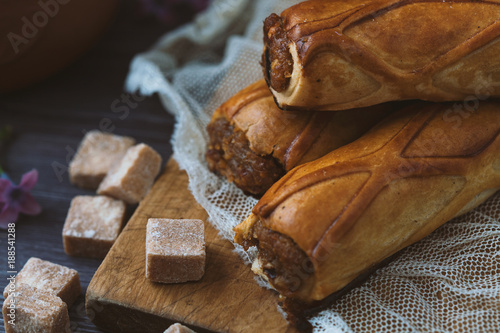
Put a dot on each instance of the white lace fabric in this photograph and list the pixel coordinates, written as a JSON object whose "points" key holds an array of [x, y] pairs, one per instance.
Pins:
{"points": [[448, 282]]}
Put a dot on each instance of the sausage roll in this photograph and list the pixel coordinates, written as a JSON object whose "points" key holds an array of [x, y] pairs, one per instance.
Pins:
{"points": [[343, 54], [329, 221], [253, 143]]}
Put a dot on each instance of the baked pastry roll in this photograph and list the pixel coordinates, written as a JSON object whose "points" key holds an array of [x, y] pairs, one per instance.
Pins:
{"points": [[343, 54], [253, 143], [329, 221]]}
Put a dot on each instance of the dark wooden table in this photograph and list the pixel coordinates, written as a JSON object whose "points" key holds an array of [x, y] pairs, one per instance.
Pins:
{"points": [[49, 120]]}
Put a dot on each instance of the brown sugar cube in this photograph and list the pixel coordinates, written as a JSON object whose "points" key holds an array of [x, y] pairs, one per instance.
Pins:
{"points": [[178, 328], [59, 280], [96, 155], [131, 179], [92, 225], [34, 310], [175, 250]]}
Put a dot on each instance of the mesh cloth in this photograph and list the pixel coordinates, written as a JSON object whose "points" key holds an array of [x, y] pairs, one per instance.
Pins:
{"points": [[448, 282]]}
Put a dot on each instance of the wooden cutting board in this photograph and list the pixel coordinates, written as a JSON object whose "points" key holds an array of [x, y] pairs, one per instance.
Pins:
{"points": [[227, 299]]}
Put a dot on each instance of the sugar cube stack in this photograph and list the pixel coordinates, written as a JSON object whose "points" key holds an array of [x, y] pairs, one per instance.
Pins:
{"points": [[95, 156], [131, 179], [59, 280], [31, 309], [39, 299]]}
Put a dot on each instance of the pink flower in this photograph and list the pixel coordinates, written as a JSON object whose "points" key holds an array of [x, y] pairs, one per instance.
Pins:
{"points": [[15, 199]]}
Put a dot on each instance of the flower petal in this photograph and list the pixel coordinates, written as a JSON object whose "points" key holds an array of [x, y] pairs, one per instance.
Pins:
{"points": [[29, 180], [29, 205], [8, 215], [5, 187]]}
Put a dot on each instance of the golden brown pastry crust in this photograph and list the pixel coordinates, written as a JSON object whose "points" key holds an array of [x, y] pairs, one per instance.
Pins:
{"points": [[289, 138], [355, 53], [365, 201]]}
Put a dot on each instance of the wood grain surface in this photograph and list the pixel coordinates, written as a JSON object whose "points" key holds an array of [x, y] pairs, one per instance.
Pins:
{"points": [[227, 299]]}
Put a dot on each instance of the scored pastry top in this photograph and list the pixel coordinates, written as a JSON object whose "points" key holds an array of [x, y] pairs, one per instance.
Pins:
{"points": [[417, 150], [365, 201], [334, 55]]}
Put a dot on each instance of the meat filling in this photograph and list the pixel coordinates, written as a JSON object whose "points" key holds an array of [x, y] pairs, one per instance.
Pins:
{"points": [[276, 60], [229, 154], [283, 262]]}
